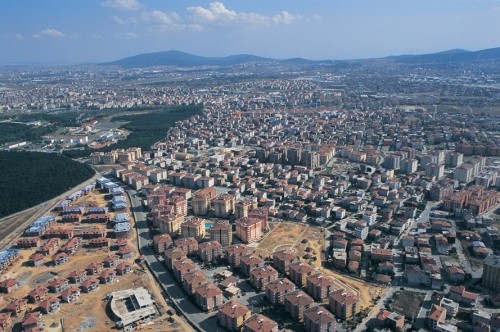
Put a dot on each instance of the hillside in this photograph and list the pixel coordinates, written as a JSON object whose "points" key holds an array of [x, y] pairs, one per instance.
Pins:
{"points": [[450, 57], [30, 178], [182, 59]]}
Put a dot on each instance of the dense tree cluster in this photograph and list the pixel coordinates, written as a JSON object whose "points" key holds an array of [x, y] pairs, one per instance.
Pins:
{"points": [[11, 132], [30, 178], [146, 128]]}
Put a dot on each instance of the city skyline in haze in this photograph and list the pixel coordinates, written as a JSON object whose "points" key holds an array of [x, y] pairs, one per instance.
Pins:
{"points": [[71, 32]]}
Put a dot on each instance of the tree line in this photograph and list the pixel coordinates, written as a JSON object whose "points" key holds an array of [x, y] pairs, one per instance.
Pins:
{"points": [[30, 178]]}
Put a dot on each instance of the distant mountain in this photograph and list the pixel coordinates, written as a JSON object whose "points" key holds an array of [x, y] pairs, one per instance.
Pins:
{"points": [[449, 57], [182, 59]]}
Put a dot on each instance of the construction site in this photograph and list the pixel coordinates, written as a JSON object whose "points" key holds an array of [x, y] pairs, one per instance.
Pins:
{"points": [[64, 274]]}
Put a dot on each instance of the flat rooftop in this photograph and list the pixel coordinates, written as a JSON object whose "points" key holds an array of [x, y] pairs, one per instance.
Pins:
{"points": [[132, 305]]}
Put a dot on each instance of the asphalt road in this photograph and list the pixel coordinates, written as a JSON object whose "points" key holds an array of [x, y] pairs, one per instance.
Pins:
{"points": [[199, 319]]}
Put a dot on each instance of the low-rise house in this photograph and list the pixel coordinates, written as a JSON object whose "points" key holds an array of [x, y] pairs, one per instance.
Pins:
{"points": [[49, 247], [94, 268], [36, 259], [5, 321], [125, 252], [28, 242], [7, 286], [71, 294], [462, 296], [71, 246], [60, 233], [60, 259], [437, 316], [77, 276], [38, 294], [107, 276], [89, 285], [99, 242], [49, 306], [58, 284], [32, 320], [111, 260], [17, 306], [124, 268]]}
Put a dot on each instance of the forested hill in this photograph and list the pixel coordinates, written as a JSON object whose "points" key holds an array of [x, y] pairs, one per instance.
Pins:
{"points": [[30, 178]]}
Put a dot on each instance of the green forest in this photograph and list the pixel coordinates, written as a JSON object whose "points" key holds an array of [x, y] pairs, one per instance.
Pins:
{"points": [[146, 128], [11, 132], [30, 178]]}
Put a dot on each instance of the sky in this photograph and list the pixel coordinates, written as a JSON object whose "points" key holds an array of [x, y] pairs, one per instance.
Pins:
{"points": [[83, 31]]}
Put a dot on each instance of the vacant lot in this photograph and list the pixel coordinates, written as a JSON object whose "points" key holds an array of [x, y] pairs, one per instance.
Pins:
{"points": [[89, 312], [287, 235], [407, 303], [294, 235]]}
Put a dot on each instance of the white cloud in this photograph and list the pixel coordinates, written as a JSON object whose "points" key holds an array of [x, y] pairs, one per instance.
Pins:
{"points": [[118, 20], [317, 18], [122, 4], [284, 18], [198, 17], [218, 14], [20, 36], [128, 35], [162, 21], [49, 33]]}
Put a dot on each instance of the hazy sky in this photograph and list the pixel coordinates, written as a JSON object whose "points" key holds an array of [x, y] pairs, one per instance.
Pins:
{"points": [[76, 31]]}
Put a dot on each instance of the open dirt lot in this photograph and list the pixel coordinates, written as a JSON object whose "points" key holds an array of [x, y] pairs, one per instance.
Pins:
{"points": [[291, 235], [89, 312], [286, 235], [407, 303]]}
